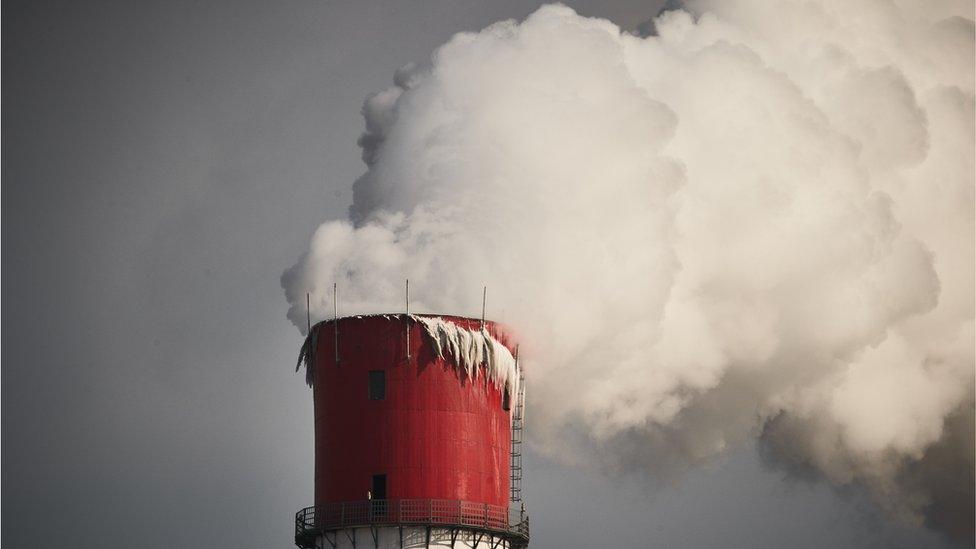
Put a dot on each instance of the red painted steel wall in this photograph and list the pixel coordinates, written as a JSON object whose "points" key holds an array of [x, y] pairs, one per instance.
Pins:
{"points": [[438, 434]]}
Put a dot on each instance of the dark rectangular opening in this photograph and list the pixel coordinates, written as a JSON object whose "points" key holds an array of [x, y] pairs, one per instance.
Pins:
{"points": [[377, 385], [379, 487]]}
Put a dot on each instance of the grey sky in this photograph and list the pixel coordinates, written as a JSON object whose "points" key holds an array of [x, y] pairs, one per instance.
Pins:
{"points": [[163, 163]]}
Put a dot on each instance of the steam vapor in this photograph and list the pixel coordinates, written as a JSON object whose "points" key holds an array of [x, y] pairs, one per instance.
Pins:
{"points": [[754, 223]]}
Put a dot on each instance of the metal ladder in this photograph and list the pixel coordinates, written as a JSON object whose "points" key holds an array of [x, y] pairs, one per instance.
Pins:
{"points": [[516, 458]]}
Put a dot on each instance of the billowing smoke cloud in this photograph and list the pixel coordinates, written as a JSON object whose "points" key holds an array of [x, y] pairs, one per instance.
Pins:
{"points": [[756, 223]]}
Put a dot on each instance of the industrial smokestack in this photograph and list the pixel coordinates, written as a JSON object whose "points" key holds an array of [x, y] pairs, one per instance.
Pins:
{"points": [[754, 225], [417, 432]]}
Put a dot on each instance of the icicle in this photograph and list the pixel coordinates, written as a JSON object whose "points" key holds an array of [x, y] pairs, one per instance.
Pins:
{"points": [[306, 356], [469, 350]]}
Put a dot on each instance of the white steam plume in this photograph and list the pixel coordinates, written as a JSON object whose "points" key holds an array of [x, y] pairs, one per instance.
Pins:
{"points": [[757, 222]]}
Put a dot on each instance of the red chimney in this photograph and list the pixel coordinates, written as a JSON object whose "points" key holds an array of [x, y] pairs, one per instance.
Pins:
{"points": [[415, 418]]}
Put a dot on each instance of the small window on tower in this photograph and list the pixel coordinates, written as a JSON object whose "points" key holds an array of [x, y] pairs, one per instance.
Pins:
{"points": [[377, 385], [507, 399]]}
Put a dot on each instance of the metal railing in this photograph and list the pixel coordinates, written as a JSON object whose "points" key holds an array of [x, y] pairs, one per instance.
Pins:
{"points": [[493, 519]]}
